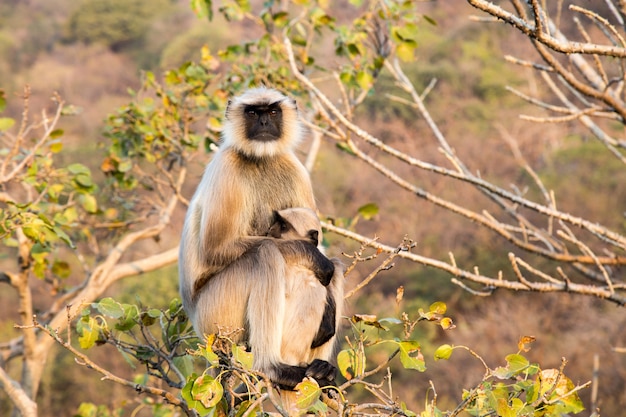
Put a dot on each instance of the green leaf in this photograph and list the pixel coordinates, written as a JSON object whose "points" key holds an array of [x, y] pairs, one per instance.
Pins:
{"points": [[89, 203], [245, 407], [243, 357], [406, 52], [345, 147], [56, 146], [109, 307], [6, 123], [368, 211], [184, 364], [71, 110], [129, 319], [61, 269], [408, 348], [187, 394], [406, 411], [202, 8], [56, 133], [364, 79], [280, 19], [430, 20], [90, 333], [351, 363], [207, 390], [3, 101], [307, 393], [517, 363], [78, 169], [443, 352], [125, 165]]}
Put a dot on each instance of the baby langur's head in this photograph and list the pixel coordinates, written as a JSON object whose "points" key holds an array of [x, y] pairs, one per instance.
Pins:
{"points": [[296, 223]]}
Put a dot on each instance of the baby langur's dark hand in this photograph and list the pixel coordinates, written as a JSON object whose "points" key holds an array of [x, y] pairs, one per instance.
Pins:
{"points": [[326, 270], [322, 371]]}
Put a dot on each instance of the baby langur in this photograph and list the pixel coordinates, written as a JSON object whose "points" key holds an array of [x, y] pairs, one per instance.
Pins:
{"points": [[309, 332], [232, 275]]}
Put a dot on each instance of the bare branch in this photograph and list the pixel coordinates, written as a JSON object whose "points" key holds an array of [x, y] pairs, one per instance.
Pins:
{"points": [[542, 36]]}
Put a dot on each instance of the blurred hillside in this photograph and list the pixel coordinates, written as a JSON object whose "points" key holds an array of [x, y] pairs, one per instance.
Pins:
{"points": [[93, 53]]}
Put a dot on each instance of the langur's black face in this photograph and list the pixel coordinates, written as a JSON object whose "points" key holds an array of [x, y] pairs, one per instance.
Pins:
{"points": [[263, 122]]}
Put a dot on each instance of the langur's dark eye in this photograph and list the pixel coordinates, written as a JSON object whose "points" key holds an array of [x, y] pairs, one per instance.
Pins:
{"points": [[273, 112], [251, 113]]}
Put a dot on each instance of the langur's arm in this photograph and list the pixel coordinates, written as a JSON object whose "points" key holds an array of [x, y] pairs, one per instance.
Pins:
{"points": [[327, 327], [306, 254]]}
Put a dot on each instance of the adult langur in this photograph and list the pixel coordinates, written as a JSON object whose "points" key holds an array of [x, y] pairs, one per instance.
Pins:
{"points": [[232, 275]]}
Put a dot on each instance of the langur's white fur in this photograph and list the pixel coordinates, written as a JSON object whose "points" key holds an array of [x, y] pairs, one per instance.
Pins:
{"points": [[233, 129]]}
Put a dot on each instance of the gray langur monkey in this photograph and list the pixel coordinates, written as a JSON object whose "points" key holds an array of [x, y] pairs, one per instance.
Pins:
{"points": [[309, 332], [231, 274]]}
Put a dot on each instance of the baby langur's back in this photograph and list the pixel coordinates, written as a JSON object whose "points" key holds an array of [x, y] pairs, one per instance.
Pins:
{"points": [[312, 310]]}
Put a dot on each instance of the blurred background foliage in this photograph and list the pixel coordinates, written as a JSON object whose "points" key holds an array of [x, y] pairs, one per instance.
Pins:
{"points": [[95, 53]]}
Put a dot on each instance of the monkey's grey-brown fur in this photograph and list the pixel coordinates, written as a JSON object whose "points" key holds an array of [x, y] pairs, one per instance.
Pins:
{"points": [[232, 275]]}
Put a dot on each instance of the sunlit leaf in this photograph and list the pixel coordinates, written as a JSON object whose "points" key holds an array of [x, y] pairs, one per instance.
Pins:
{"points": [[307, 393], [187, 394], [405, 51], [207, 352], [6, 123], [109, 307], [446, 323], [89, 203], [368, 211], [202, 8], [56, 146], [207, 390], [438, 307], [410, 413], [411, 356], [443, 352], [351, 363], [517, 363], [251, 407], [243, 357], [56, 133], [90, 332], [364, 79], [280, 19], [558, 389]]}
